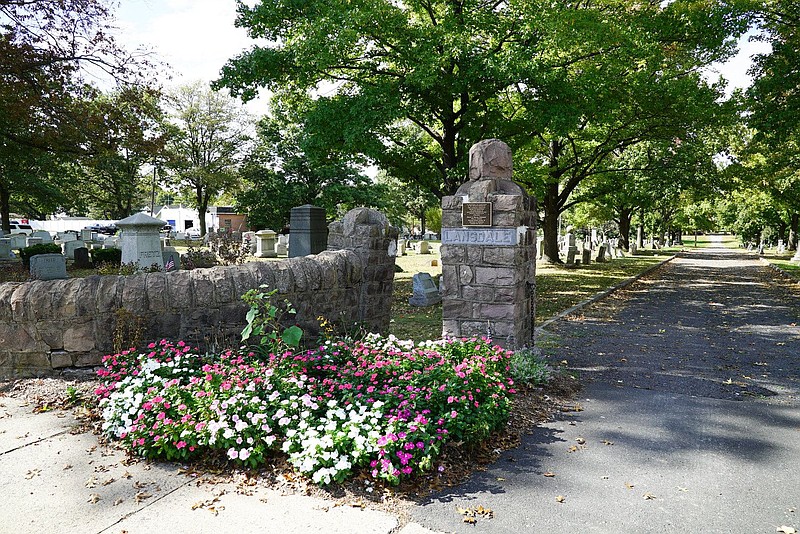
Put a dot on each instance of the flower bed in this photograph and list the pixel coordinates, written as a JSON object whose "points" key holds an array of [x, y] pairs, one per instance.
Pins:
{"points": [[382, 405]]}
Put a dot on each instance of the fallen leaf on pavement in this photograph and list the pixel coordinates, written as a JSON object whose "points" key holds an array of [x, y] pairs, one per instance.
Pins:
{"points": [[629, 485], [607, 442], [32, 473], [91, 483], [119, 501], [141, 496], [549, 474], [561, 498], [787, 530], [580, 441], [649, 496], [93, 498]]}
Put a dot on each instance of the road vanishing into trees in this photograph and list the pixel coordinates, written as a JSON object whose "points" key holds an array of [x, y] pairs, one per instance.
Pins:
{"points": [[689, 420]]}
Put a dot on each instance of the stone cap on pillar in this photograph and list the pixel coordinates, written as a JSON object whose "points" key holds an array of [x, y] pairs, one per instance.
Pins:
{"points": [[490, 158], [140, 219]]}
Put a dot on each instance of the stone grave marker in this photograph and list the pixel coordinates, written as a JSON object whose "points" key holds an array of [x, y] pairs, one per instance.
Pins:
{"points": [[423, 247], [66, 237], [18, 241], [265, 244], [68, 248], [586, 257], [5, 249], [81, 256], [308, 232], [601, 254], [86, 234], [425, 291], [46, 237], [141, 240], [48, 267], [171, 259], [33, 241]]}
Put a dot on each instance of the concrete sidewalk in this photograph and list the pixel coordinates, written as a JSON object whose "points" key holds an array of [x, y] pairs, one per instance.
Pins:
{"points": [[58, 481]]}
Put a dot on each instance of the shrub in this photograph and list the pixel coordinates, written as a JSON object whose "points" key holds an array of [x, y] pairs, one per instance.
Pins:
{"points": [[196, 258], [34, 250], [529, 368], [109, 256]]}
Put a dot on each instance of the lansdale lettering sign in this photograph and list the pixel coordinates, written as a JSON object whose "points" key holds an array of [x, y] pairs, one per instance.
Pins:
{"points": [[480, 236]]}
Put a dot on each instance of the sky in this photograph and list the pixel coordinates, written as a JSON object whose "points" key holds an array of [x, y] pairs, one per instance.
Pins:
{"points": [[197, 37]]}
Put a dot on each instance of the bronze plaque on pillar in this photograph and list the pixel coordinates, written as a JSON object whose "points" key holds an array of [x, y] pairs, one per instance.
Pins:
{"points": [[476, 214]]}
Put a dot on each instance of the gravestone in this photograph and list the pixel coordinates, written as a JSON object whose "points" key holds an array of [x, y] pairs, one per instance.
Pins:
{"points": [[48, 267], [423, 247], [401, 247], [795, 258], [5, 249], [171, 259], [249, 239], [46, 237], [570, 248], [488, 252], [265, 244], [601, 254], [65, 237], [33, 241], [281, 249], [18, 241], [111, 242], [68, 248], [141, 240], [180, 236], [308, 232], [425, 291], [81, 257], [86, 234], [586, 257], [781, 246]]}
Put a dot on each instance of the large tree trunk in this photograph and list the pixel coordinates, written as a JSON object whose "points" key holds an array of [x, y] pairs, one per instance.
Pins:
{"points": [[5, 208], [624, 223], [550, 224], [793, 226]]}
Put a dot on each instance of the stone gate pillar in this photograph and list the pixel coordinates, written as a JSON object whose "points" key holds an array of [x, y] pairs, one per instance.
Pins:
{"points": [[488, 252]]}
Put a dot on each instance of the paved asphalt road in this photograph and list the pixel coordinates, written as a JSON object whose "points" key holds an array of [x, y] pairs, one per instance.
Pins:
{"points": [[689, 422]]}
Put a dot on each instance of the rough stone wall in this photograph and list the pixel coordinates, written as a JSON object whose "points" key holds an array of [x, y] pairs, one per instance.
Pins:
{"points": [[49, 325]]}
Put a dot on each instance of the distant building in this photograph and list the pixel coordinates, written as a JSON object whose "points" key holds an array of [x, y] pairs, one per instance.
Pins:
{"points": [[226, 217]]}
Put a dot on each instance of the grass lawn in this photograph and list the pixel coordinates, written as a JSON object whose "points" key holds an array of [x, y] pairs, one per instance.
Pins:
{"points": [[708, 241], [784, 262], [557, 288]]}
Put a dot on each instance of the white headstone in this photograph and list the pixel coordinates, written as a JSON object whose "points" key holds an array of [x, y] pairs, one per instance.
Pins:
{"points": [[86, 234], [281, 249], [18, 241], [5, 249], [69, 247], [141, 240], [48, 267], [423, 247], [33, 241], [46, 237], [425, 291], [265, 244], [66, 236]]}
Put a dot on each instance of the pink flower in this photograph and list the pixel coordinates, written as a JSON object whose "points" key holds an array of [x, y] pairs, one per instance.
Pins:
{"points": [[180, 445], [233, 453]]}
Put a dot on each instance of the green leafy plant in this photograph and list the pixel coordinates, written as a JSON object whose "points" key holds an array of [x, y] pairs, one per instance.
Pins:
{"points": [[265, 322], [529, 368], [197, 258], [108, 256], [228, 250], [34, 250]]}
